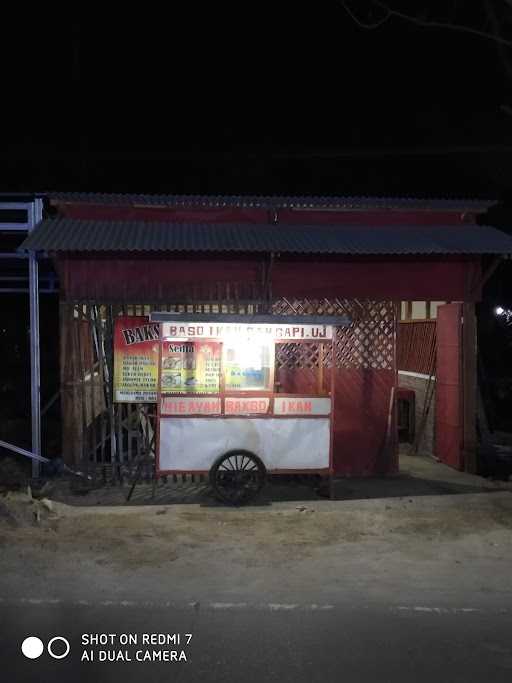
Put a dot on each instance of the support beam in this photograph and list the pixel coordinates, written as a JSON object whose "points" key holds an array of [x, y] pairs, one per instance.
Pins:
{"points": [[35, 375], [469, 387], [478, 286]]}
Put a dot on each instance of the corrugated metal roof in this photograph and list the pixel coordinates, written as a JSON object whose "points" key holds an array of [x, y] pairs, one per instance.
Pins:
{"points": [[277, 202], [68, 234]]}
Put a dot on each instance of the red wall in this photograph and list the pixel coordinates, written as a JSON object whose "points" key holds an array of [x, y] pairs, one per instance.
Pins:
{"points": [[154, 278], [158, 213], [396, 278], [449, 420], [364, 431], [249, 215]]}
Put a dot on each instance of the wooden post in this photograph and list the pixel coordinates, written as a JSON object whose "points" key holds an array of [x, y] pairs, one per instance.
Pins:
{"points": [[469, 387], [71, 434], [80, 395], [320, 387], [65, 394]]}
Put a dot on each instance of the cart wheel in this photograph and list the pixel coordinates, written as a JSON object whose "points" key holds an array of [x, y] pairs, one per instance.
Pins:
{"points": [[237, 476]]}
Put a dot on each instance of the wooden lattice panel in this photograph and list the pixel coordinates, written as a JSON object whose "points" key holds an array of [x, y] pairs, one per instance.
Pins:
{"points": [[292, 356], [367, 342]]}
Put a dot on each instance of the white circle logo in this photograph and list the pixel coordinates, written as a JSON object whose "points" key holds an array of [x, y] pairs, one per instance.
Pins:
{"points": [[66, 651], [32, 647]]}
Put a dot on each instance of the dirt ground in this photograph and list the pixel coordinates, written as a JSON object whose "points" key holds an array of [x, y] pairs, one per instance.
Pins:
{"points": [[449, 545], [131, 538]]}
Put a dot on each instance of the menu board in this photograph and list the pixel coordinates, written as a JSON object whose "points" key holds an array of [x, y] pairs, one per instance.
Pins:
{"points": [[135, 359], [190, 367]]}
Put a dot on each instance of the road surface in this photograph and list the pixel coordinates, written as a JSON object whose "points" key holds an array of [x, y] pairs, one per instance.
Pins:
{"points": [[408, 588], [350, 643]]}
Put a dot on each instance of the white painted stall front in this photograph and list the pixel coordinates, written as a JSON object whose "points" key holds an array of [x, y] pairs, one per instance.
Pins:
{"points": [[292, 444]]}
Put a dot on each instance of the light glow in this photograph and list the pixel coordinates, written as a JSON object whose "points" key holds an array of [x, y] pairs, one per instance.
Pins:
{"points": [[504, 313], [247, 364]]}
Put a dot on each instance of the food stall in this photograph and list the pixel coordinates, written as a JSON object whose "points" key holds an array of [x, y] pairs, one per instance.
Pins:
{"points": [[222, 409]]}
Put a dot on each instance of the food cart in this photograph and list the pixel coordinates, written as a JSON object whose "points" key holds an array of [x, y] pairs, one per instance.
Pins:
{"points": [[223, 409]]}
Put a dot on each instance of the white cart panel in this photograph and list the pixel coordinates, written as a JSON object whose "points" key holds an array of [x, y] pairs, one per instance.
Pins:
{"points": [[194, 443]]}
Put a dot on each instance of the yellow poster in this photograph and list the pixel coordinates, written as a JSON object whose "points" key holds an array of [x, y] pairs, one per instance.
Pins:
{"points": [[135, 359], [191, 367]]}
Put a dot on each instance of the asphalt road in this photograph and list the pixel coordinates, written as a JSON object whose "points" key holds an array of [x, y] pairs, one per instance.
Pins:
{"points": [[351, 644]]}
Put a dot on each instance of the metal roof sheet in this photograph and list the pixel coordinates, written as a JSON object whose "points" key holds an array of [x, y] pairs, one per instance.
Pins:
{"points": [[66, 234], [275, 202]]}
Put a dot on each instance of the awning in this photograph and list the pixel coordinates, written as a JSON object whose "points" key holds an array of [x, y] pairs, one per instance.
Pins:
{"points": [[72, 235]]}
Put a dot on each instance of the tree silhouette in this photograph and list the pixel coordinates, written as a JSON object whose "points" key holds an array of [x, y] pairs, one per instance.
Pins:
{"points": [[489, 20]]}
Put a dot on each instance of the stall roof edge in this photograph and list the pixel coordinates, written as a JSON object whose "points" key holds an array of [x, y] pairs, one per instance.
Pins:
{"points": [[346, 203], [164, 317]]}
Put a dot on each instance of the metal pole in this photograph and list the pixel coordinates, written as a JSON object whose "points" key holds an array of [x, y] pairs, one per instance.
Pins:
{"points": [[35, 391]]}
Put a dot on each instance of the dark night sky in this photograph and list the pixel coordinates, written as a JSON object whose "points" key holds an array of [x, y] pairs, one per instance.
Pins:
{"points": [[295, 100], [277, 98]]}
